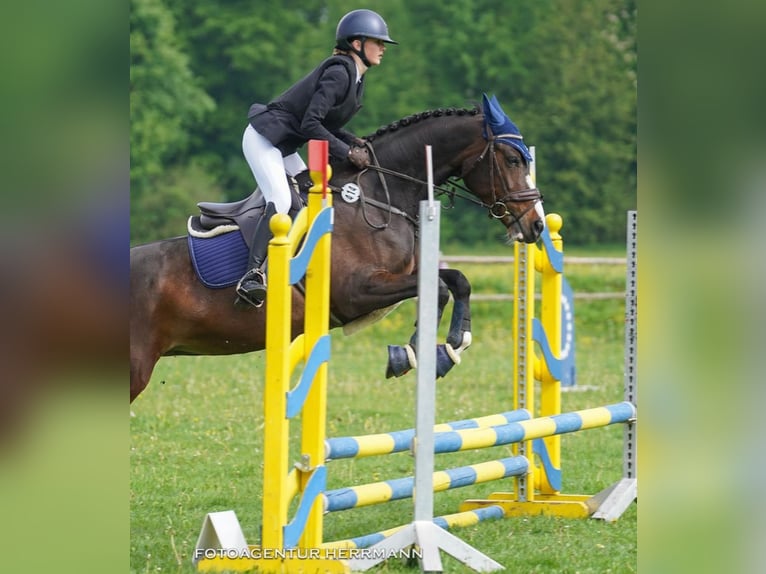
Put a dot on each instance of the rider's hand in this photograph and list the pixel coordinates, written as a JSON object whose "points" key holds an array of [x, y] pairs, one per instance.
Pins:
{"points": [[359, 156], [359, 142]]}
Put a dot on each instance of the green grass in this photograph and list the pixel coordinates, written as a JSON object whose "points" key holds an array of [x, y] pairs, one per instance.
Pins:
{"points": [[196, 440]]}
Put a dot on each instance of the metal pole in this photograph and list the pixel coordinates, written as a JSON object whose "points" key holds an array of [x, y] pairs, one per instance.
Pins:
{"points": [[423, 531], [614, 500], [428, 287]]}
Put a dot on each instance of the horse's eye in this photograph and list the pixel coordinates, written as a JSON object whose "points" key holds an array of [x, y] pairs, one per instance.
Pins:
{"points": [[512, 161]]}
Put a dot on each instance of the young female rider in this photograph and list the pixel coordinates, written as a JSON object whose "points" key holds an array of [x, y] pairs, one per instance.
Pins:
{"points": [[316, 107]]}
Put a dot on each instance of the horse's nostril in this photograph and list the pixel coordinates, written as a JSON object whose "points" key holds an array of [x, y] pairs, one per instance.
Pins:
{"points": [[539, 225]]}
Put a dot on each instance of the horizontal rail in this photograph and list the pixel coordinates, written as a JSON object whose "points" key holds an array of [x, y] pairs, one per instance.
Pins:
{"points": [[398, 488], [581, 296], [460, 440], [401, 440], [507, 259], [466, 518]]}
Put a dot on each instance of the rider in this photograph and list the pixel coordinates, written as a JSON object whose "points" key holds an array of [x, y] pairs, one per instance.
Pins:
{"points": [[316, 107]]}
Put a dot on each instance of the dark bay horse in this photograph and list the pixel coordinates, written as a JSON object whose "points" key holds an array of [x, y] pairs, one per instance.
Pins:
{"points": [[374, 244]]}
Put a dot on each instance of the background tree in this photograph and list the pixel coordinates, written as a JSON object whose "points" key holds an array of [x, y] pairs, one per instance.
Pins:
{"points": [[165, 103], [578, 104]]}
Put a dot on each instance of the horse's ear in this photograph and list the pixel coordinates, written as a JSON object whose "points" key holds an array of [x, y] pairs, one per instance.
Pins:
{"points": [[493, 113], [499, 113], [486, 104]]}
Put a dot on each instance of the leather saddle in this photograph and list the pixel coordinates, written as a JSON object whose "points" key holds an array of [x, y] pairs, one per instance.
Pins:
{"points": [[218, 218]]}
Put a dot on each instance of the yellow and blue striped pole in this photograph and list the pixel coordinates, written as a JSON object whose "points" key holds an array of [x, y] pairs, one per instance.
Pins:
{"points": [[521, 431], [400, 441], [458, 519], [399, 488]]}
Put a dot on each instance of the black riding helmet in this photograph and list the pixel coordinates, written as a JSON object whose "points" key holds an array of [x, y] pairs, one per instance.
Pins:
{"points": [[361, 24]]}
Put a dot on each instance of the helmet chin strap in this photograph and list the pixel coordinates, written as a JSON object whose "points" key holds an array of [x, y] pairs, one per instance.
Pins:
{"points": [[360, 53]]}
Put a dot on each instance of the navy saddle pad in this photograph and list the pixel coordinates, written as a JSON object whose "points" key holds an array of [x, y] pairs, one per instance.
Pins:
{"points": [[219, 261]]}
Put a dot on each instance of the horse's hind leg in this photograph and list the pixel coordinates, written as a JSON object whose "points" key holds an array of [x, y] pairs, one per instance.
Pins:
{"points": [[141, 368], [459, 335]]}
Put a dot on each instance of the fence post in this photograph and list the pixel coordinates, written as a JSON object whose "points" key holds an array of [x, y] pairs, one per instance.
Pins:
{"points": [[317, 324]]}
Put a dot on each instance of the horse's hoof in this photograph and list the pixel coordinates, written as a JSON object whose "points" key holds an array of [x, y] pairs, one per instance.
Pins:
{"points": [[398, 361], [444, 361]]}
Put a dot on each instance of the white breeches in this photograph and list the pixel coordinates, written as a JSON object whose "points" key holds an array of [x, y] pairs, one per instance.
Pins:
{"points": [[269, 168]]}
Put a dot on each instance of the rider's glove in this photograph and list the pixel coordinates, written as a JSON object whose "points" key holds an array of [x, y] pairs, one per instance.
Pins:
{"points": [[359, 156]]}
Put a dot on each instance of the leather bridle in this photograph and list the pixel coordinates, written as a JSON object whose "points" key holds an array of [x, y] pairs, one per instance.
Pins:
{"points": [[498, 209]]}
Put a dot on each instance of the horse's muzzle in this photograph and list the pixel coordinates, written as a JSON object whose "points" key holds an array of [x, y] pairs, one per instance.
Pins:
{"points": [[526, 227], [530, 232]]}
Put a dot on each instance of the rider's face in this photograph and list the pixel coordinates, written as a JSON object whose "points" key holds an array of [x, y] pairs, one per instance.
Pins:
{"points": [[373, 50]]}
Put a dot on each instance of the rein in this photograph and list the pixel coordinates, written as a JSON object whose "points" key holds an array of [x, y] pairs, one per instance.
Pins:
{"points": [[451, 191]]}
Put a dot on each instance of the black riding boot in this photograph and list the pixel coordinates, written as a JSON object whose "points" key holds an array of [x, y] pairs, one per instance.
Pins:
{"points": [[252, 287]]}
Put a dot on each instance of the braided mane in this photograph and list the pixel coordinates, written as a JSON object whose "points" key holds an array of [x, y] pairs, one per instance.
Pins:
{"points": [[414, 118]]}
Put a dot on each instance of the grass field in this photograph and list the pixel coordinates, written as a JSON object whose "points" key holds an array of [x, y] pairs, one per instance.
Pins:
{"points": [[196, 438]]}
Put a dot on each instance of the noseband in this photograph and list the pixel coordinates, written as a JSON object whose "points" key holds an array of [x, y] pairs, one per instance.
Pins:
{"points": [[498, 209]]}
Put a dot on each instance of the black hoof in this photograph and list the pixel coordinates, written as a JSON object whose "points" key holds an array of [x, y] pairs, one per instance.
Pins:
{"points": [[443, 361], [398, 361]]}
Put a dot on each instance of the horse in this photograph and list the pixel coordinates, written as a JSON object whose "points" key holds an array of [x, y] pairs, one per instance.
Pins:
{"points": [[374, 244]]}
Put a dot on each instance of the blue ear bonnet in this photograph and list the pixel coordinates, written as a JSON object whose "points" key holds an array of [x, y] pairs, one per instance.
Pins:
{"points": [[501, 126]]}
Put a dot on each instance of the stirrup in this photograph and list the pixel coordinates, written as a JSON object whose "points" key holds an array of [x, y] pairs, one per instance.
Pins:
{"points": [[258, 283]]}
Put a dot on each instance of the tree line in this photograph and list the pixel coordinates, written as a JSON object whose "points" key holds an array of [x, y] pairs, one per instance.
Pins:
{"points": [[565, 71]]}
